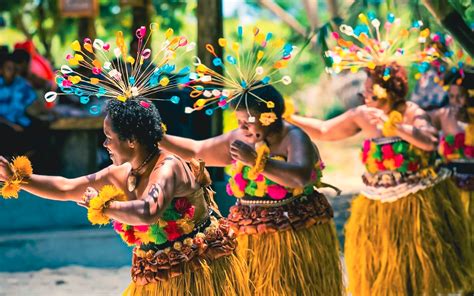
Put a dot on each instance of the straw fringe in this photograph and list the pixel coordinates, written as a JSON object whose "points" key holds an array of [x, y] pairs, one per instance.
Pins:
{"points": [[302, 262], [221, 277], [467, 198], [414, 246]]}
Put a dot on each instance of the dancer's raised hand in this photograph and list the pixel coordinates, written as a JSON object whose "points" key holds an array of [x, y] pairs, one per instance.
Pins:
{"points": [[5, 169], [243, 152], [88, 195]]}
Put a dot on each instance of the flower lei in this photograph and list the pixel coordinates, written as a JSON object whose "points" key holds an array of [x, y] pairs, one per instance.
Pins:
{"points": [[390, 126], [456, 146], [175, 222], [240, 183], [107, 194], [262, 156], [22, 169], [398, 156]]}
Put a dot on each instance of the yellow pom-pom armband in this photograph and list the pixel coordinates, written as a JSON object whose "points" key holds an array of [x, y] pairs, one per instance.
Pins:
{"points": [[390, 126], [107, 194], [262, 156], [22, 170]]}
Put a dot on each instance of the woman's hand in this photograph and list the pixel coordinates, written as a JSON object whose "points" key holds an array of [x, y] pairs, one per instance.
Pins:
{"points": [[88, 195], [5, 169], [243, 152], [376, 117]]}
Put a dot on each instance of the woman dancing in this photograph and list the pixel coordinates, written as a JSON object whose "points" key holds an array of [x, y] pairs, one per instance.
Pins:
{"points": [[406, 231], [285, 227]]}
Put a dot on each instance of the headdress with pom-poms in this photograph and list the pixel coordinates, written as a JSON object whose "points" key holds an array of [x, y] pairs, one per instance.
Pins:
{"points": [[373, 43], [249, 64], [449, 60], [110, 72]]}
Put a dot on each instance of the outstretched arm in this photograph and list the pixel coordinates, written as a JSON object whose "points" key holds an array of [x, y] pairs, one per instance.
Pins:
{"points": [[59, 188], [148, 208], [338, 128], [214, 151]]}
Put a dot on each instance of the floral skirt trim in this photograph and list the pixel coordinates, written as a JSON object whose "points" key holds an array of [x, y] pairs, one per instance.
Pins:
{"points": [[158, 263], [298, 213], [392, 193], [226, 276]]}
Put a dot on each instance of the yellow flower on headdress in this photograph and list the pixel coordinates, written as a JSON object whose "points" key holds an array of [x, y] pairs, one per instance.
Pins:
{"points": [[379, 92], [267, 118]]}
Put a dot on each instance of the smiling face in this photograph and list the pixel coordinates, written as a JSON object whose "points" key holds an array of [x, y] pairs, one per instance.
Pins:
{"points": [[253, 131], [457, 95], [119, 151]]}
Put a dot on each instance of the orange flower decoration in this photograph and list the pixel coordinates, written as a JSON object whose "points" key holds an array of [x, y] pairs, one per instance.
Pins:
{"points": [[267, 118], [21, 167], [10, 189]]}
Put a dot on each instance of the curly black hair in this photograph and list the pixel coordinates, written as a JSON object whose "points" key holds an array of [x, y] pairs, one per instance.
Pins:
{"points": [[268, 93], [132, 121]]}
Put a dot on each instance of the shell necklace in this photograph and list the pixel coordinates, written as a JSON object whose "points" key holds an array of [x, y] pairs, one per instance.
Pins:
{"points": [[133, 176]]}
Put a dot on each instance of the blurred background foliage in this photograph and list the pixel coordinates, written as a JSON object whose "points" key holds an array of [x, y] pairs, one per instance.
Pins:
{"points": [[305, 23]]}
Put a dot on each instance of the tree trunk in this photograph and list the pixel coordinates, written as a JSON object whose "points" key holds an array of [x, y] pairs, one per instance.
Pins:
{"points": [[42, 34], [141, 16], [210, 29], [86, 28], [453, 22]]}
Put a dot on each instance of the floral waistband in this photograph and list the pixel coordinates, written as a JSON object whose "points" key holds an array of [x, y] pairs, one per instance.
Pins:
{"points": [[248, 217], [153, 263], [390, 186], [390, 178]]}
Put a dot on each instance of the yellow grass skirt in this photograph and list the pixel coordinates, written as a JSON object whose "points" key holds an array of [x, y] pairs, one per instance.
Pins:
{"points": [[413, 246], [224, 276], [467, 198], [301, 262]]}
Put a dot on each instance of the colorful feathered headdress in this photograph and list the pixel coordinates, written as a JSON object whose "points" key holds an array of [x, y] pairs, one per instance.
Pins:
{"points": [[450, 61], [250, 63], [375, 43], [102, 70]]}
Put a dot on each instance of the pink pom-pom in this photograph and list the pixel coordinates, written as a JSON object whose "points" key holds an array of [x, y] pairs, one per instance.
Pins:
{"points": [[145, 104], [228, 189], [276, 192], [141, 228], [240, 181]]}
